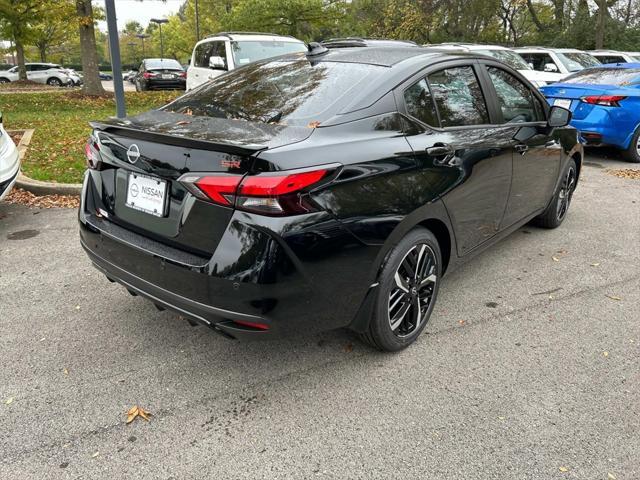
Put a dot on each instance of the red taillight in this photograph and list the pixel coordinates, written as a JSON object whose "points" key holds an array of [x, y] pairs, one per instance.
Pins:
{"points": [[604, 100], [149, 75], [273, 193], [220, 189], [91, 151], [183, 74]]}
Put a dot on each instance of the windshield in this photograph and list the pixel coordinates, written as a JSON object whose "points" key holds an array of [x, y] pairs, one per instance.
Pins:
{"points": [[286, 92], [157, 64], [576, 61], [606, 76], [507, 56], [250, 51]]}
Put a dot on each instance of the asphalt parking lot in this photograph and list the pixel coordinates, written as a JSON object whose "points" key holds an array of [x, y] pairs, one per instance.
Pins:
{"points": [[530, 368]]}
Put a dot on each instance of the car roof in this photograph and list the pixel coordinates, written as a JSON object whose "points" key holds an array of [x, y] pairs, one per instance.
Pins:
{"points": [[366, 41], [469, 46], [549, 49], [384, 56], [250, 36]]}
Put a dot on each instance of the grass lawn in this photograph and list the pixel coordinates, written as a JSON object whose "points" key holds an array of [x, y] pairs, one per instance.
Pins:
{"points": [[56, 152]]}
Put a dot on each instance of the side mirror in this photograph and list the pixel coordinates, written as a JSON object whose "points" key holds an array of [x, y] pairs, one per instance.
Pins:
{"points": [[551, 67], [217, 63], [559, 117]]}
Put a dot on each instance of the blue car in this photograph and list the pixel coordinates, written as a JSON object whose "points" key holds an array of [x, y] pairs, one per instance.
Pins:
{"points": [[605, 102]]}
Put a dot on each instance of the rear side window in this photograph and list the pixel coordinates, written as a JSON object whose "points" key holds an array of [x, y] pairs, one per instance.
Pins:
{"points": [[420, 103], [209, 49], [610, 59], [168, 63], [458, 97], [517, 101], [606, 76]]}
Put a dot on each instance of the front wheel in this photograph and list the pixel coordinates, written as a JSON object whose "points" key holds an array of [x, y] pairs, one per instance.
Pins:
{"points": [[632, 154], [556, 211], [54, 82], [407, 292]]}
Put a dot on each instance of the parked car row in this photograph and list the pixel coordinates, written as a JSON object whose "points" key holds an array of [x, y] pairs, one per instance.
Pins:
{"points": [[46, 73]]}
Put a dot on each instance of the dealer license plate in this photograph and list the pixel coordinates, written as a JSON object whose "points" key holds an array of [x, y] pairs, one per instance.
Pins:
{"points": [[146, 194], [562, 102]]}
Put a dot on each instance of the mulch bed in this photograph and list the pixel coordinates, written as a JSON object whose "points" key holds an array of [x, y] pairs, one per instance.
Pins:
{"points": [[23, 197], [632, 173], [15, 136]]}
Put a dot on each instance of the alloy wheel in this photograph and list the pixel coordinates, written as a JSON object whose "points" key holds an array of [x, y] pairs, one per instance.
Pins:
{"points": [[638, 146], [565, 193], [411, 295]]}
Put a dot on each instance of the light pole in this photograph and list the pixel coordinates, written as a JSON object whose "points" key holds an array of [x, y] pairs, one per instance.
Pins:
{"points": [[142, 36], [160, 21]]}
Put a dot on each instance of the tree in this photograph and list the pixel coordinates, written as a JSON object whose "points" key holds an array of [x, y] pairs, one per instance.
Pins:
{"points": [[90, 71], [16, 17], [52, 29]]}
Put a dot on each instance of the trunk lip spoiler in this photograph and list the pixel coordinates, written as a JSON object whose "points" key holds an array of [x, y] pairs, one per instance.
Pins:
{"points": [[178, 141]]}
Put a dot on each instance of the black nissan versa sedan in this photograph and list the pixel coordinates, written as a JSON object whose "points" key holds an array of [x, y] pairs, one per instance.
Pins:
{"points": [[323, 190]]}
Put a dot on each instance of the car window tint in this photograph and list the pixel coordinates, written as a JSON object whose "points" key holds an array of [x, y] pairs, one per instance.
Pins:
{"points": [[249, 51], [290, 92], [160, 64], [458, 97], [420, 103], [515, 98]]}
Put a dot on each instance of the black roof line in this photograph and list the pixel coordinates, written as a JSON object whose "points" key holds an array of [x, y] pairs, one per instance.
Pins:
{"points": [[229, 33]]}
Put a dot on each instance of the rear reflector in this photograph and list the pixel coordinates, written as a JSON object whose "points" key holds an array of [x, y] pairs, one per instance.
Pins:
{"points": [[91, 152], [604, 100], [256, 325]]}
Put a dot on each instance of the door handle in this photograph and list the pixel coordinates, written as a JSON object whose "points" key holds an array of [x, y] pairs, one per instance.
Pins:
{"points": [[522, 148], [441, 150]]}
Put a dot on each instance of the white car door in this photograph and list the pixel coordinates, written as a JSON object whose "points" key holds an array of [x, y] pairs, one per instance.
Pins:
{"points": [[199, 71]]}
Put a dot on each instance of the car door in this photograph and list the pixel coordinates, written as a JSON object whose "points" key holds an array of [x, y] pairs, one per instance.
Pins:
{"points": [[199, 71], [536, 156], [460, 138]]}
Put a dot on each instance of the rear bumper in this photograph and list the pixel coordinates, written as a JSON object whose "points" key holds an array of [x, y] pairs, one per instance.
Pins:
{"points": [[600, 127], [166, 84], [7, 185], [283, 276]]}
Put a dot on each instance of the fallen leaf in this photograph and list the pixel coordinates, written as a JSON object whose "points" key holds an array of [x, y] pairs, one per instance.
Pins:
{"points": [[595, 264], [555, 259], [65, 371], [8, 401], [314, 124], [137, 411], [605, 354], [348, 347], [95, 455], [461, 322], [611, 476], [563, 469], [613, 297]]}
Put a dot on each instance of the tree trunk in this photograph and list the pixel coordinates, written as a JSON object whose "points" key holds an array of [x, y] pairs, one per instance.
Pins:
{"points": [[22, 70], [90, 71], [43, 53], [600, 23]]}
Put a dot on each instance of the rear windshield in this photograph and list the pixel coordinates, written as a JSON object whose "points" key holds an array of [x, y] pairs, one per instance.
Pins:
{"points": [[606, 76], [576, 61], [507, 56], [288, 92], [164, 63], [251, 51]]}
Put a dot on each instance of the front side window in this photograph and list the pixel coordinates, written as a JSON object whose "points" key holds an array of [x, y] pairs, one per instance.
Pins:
{"points": [[517, 102], [458, 97], [287, 92], [250, 51], [420, 103], [538, 60]]}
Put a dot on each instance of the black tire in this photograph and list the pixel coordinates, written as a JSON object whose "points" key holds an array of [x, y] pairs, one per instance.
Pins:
{"points": [[418, 248], [556, 211], [632, 154], [4, 80], [54, 82]]}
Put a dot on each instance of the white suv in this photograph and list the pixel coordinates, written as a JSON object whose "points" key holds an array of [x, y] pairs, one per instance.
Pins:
{"points": [[504, 54], [561, 62], [229, 50], [9, 162], [48, 73]]}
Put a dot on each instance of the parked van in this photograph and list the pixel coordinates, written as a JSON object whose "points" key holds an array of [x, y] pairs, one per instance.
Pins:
{"points": [[226, 51]]}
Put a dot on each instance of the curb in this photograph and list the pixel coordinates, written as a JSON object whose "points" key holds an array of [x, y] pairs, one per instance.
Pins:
{"points": [[38, 187]]}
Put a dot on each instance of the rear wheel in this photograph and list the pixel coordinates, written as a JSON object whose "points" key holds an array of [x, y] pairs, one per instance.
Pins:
{"points": [[407, 292], [54, 82], [557, 210], [632, 154]]}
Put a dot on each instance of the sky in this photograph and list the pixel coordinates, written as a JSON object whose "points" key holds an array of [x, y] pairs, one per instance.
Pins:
{"points": [[142, 12]]}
